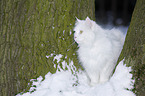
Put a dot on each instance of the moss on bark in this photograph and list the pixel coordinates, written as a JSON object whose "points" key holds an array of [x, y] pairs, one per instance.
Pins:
{"points": [[32, 29], [134, 47]]}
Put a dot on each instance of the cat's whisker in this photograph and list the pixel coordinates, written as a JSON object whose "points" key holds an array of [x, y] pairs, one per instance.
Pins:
{"points": [[70, 46]]}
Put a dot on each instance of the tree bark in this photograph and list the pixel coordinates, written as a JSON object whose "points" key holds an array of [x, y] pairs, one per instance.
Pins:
{"points": [[32, 29], [134, 47]]}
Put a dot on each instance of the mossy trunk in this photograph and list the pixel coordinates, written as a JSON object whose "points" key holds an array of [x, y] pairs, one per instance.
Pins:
{"points": [[32, 29], [134, 47]]}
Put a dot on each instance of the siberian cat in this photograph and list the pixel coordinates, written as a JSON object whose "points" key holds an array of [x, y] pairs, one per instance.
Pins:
{"points": [[98, 50]]}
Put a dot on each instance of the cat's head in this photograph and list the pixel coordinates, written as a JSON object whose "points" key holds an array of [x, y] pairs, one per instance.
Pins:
{"points": [[84, 34]]}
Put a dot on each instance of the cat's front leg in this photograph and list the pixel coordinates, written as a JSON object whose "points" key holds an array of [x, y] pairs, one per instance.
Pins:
{"points": [[94, 77], [107, 71]]}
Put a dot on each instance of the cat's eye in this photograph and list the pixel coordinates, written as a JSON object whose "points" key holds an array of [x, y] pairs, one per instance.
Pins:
{"points": [[81, 31]]}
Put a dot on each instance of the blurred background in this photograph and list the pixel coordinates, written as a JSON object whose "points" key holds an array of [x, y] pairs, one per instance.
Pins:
{"points": [[114, 12]]}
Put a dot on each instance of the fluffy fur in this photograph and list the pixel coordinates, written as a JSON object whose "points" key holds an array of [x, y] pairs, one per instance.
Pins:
{"points": [[98, 49]]}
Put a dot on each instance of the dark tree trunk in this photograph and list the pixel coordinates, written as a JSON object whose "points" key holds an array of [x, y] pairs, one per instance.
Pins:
{"points": [[32, 29], [134, 47]]}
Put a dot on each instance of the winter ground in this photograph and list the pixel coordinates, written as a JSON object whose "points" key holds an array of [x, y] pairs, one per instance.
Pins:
{"points": [[74, 83], [64, 83]]}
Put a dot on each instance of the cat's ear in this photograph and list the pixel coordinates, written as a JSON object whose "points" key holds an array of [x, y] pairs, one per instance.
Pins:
{"points": [[89, 22], [78, 19]]}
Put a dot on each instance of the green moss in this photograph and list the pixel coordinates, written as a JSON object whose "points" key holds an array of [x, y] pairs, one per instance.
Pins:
{"points": [[133, 50], [32, 29]]}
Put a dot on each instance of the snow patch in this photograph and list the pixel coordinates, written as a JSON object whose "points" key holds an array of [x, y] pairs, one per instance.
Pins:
{"points": [[48, 56], [57, 57], [62, 83]]}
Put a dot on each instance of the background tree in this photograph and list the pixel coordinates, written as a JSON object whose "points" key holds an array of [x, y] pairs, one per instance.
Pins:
{"points": [[134, 47], [32, 29]]}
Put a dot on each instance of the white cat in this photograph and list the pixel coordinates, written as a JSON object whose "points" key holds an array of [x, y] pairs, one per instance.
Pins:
{"points": [[98, 50]]}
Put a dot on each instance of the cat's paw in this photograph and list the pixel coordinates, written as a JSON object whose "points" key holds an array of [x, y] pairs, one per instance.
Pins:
{"points": [[92, 84]]}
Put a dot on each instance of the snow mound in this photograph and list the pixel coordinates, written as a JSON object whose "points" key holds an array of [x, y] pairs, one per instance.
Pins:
{"points": [[64, 83]]}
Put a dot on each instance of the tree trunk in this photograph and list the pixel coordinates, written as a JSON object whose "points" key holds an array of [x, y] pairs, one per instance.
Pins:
{"points": [[134, 47], [32, 29]]}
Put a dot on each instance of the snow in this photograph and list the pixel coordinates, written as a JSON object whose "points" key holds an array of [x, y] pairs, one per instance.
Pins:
{"points": [[75, 83], [49, 55]]}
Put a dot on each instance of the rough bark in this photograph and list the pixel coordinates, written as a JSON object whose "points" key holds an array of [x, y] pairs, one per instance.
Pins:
{"points": [[32, 29], [134, 47]]}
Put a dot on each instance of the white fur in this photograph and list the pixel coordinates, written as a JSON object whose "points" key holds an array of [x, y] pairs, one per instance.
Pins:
{"points": [[98, 49]]}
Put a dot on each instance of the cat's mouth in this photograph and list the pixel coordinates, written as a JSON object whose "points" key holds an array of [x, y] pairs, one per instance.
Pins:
{"points": [[78, 40], [75, 38]]}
